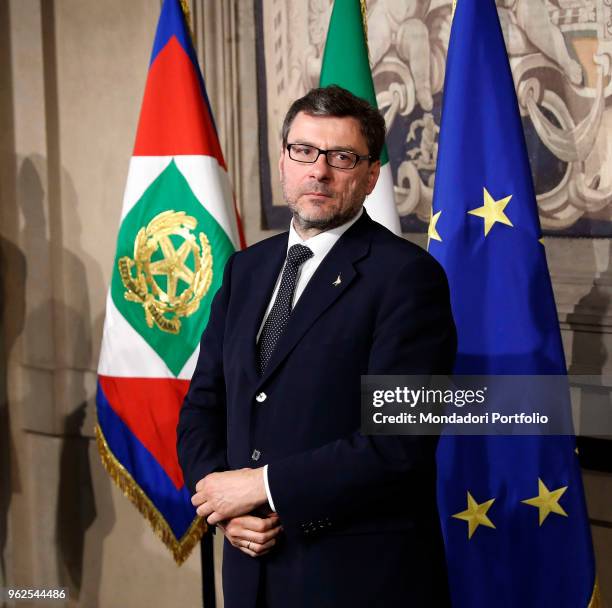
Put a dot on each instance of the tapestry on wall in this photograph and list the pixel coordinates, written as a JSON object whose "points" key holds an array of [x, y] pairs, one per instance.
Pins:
{"points": [[561, 57]]}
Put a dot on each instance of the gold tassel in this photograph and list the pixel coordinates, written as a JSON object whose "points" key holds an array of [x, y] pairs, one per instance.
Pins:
{"points": [[364, 19], [180, 548], [187, 15], [596, 597]]}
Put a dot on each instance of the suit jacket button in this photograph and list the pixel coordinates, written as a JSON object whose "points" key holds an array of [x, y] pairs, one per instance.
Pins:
{"points": [[261, 397], [255, 455]]}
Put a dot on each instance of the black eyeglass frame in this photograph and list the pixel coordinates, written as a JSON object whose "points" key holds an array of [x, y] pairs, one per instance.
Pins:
{"points": [[320, 151]]}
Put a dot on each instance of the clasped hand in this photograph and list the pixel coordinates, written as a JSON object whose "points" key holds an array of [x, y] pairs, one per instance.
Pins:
{"points": [[253, 535], [227, 499]]}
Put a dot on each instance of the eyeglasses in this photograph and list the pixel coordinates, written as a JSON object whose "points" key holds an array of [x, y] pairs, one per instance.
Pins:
{"points": [[340, 159]]}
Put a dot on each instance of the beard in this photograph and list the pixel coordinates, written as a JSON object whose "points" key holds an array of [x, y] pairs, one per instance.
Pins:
{"points": [[332, 216]]}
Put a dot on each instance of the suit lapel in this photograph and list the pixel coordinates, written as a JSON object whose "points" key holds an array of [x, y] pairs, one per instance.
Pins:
{"points": [[331, 279]]}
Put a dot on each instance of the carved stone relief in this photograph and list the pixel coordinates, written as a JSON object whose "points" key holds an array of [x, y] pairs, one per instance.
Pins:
{"points": [[560, 53]]}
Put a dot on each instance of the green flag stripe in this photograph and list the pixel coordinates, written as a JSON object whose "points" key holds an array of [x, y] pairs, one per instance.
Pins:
{"points": [[169, 191], [345, 59]]}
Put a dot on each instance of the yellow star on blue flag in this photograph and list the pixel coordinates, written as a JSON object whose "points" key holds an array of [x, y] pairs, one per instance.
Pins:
{"points": [[492, 211], [507, 325], [547, 501], [476, 514], [432, 232]]}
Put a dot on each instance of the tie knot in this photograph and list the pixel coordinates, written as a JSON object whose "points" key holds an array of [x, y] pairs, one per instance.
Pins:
{"points": [[298, 254]]}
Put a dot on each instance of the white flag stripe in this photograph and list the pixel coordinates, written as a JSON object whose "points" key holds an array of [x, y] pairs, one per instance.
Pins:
{"points": [[211, 185], [208, 181], [190, 364], [142, 172], [380, 204], [125, 353]]}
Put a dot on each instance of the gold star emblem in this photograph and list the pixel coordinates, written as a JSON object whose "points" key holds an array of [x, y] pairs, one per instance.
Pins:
{"points": [[546, 501], [432, 232], [492, 211], [173, 265], [476, 514]]}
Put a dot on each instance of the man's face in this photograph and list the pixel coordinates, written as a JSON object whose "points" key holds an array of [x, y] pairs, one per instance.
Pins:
{"points": [[321, 196]]}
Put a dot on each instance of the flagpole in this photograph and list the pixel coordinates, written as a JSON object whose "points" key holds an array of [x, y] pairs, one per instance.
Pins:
{"points": [[208, 570]]}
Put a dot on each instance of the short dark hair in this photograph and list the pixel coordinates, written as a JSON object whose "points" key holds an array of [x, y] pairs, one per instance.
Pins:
{"points": [[336, 101]]}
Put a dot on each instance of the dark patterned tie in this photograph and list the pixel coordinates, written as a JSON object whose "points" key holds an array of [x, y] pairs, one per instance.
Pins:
{"points": [[279, 315]]}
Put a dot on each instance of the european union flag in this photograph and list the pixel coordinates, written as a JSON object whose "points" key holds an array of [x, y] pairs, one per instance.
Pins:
{"points": [[512, 508]]}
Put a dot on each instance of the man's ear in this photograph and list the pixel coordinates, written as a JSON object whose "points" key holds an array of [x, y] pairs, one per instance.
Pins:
{"points": [[373, 173]]}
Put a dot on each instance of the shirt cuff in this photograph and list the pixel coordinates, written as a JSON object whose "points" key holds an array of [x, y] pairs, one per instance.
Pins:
{"points": [[268, 494]]}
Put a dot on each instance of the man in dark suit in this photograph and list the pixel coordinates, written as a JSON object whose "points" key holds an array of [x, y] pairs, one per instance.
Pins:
{"points": [[315, 513]]}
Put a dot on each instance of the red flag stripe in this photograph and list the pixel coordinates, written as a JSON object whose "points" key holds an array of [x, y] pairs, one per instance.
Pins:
{"points": [[174, 118], [150, 408]]}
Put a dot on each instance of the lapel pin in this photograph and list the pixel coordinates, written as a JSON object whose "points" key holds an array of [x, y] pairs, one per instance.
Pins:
{"points": [[337, 281]]}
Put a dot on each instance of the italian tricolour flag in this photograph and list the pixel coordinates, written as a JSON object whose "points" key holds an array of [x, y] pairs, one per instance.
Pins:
{"points": [[178, 227], [346, 63]]}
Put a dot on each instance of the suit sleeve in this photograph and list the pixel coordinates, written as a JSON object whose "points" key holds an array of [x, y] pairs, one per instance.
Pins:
{"points": [[414, 334], [201, 431]]}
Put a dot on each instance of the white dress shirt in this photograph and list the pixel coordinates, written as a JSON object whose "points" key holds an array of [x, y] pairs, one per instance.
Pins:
{"points": [[320, 245]]}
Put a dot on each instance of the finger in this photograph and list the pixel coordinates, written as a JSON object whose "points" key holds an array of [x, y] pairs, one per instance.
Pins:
{"points": [[242, 531], [197, 499], [243, 521], [255, 538], [215, 518], [251, 554], [260, 524], [254, 549], [275, 521], [243, 545], [249, 522], [260, 548], [261, 537], [205, 510]]}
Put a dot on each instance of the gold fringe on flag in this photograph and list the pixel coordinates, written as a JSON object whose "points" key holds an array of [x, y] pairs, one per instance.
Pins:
{"points": [[187, 15], [364, 19], [180, 548], [596, 597]]}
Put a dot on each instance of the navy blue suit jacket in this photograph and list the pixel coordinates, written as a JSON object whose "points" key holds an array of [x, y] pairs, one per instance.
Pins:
{"points": [[359, 512]]}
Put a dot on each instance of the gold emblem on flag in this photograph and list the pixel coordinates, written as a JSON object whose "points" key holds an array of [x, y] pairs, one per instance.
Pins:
{"points": [[184, 288]]}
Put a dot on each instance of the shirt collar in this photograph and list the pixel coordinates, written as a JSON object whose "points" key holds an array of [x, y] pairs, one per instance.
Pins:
{"points": [[324, 241]]}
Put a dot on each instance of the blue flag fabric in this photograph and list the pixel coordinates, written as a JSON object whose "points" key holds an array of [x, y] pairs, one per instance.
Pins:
{"points": [[501, 550]]}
